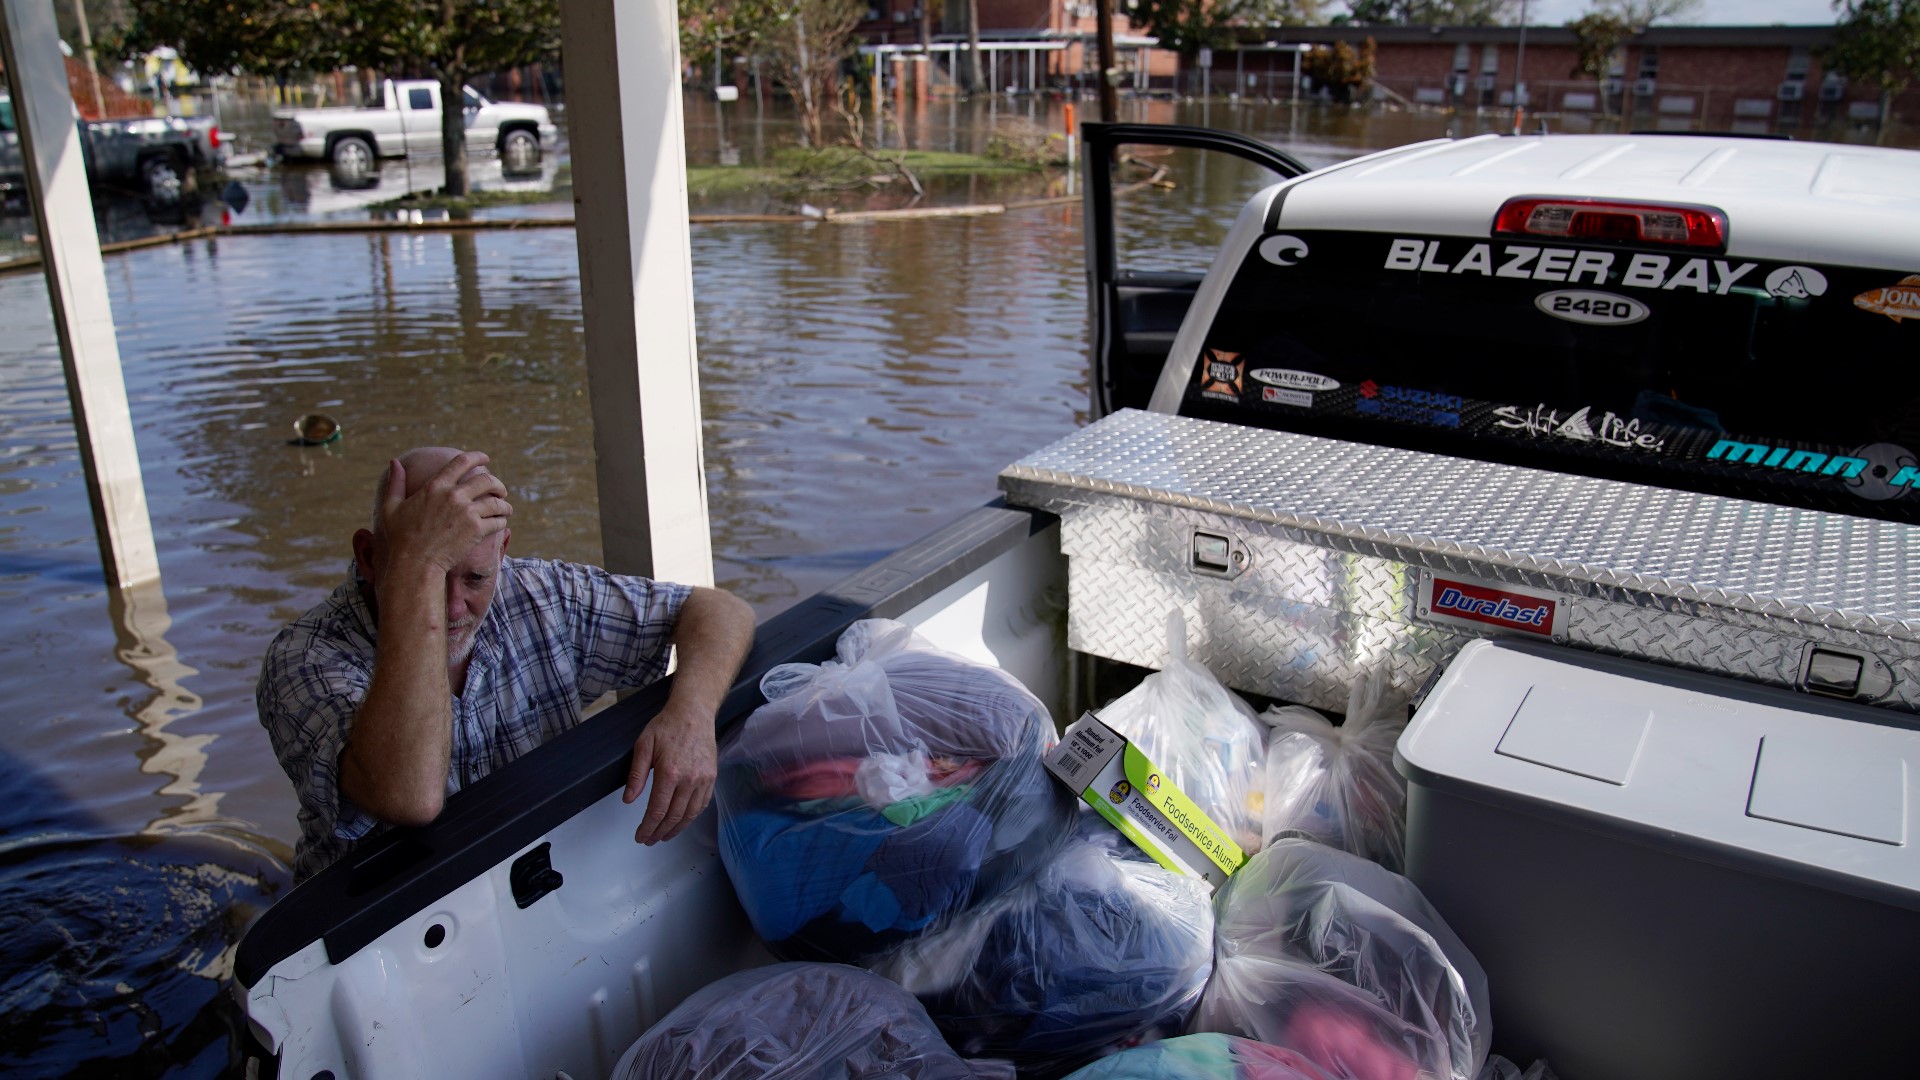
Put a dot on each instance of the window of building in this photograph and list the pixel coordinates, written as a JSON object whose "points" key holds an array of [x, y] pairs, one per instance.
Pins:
{"points": [[1650, 62], [1462, 57], [1798, 60], [1489, 59]]}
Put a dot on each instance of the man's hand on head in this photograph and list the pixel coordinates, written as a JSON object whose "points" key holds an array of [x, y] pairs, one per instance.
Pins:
{"points": [[441, 522], [678, 748]]}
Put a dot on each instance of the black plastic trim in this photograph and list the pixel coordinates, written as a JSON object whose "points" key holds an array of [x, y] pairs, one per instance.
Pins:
{"points": [[389, 878]]}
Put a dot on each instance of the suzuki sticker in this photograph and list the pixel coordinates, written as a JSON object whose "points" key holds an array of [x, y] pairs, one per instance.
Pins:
{"points": [[1296, 380], [1591, 308]]}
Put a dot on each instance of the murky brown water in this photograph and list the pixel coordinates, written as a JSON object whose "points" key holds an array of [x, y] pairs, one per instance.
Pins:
{"points": [[861, 385]]}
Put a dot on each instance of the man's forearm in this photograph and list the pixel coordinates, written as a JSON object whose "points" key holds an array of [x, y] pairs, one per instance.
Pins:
{"points": [[712, 635], [395, 763]]}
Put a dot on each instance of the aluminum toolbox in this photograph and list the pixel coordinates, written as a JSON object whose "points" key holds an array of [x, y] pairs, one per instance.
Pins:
{"points": [[1301, 560]]}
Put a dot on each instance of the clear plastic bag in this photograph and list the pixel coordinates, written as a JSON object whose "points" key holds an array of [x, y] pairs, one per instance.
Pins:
{"points": [[1102, 949], [1201, 735], [1203, 1057], [1337, 785], [1335, 957], [799, 1022], [878, 794], [1499, 1068]]}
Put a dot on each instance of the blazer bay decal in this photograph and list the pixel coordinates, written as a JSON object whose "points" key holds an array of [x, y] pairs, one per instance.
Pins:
{"points": [[1572, 265]]}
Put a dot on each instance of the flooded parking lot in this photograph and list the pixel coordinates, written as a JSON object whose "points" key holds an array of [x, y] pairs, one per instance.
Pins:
{"points": [[861, 385]]}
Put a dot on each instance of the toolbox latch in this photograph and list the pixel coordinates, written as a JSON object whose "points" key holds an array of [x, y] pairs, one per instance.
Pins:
{"points": [[1218, 554], [1843, 673]]}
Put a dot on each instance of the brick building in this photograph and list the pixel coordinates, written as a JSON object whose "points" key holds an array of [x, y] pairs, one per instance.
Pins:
{"points": [[1029, 44], [1721, 77]]}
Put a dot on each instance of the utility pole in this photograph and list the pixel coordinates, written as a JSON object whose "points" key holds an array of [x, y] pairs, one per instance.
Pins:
{"points": [[1520, 71], [1109, 97], [86, 54]]}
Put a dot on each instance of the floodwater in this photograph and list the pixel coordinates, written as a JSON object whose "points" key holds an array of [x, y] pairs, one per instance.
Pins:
{"points": [[861, 385]]}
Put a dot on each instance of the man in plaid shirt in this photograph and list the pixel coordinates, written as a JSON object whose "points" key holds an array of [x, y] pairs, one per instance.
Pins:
{"points": [[477, 659]]}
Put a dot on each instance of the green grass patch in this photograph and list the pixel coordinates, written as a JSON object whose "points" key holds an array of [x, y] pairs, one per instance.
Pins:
{"points": [[708, 181]]}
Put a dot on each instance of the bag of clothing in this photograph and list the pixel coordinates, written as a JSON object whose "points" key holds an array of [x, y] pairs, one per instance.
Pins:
{"points": [[799, 1022], [1337, 785], [876, 795], [1203, 1057], [1343, 961], [1499, 1068], [1201, 735], [1101, 949]]}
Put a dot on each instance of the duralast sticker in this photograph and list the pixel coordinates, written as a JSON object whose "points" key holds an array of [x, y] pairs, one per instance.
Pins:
{"points": [[1896, 302], [1110, 774], [1481, 606]]}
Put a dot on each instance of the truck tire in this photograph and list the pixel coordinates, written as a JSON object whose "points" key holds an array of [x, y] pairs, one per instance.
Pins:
{"points": [[163, 179], [519, 151], [351, 153]]}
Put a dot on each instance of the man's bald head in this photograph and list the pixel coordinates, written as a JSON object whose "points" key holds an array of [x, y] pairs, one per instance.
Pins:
{"points": [[421, 464]]}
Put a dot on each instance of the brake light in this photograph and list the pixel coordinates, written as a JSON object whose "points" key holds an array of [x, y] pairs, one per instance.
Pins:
{"points": [[1614, 222], [214, 137]]}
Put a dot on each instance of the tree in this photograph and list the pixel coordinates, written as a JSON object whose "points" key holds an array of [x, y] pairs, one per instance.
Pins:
{"points": [[1343, 70], [709, 30], [1597, 36], [1431, 12], [448, 40], [1878, 42], [1641, 14], [1187, 26], [808, 42]]}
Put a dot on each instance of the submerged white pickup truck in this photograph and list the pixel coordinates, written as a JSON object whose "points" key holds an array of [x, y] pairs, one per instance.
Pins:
{"points": [[1599, 447], [406, 119]]}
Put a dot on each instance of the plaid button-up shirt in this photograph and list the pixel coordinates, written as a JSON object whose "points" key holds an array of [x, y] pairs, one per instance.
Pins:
{"points": [[557, 636]]}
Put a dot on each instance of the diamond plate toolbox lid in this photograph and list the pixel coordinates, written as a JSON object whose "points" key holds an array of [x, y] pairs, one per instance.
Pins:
{"points": [[1303, 560]]}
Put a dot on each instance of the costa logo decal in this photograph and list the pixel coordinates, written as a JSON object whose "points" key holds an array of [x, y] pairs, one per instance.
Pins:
{"points": [[1896, 302], [1283, 250], [1293, 380], [1591, 308], [1480, 606]]}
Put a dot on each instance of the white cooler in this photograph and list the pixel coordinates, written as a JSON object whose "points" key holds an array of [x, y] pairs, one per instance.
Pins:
{"points": [[1668, 874]]}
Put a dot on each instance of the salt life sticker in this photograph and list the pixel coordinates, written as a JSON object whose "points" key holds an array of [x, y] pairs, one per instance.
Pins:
{"points": [[1480, 606], [1896, 302]]}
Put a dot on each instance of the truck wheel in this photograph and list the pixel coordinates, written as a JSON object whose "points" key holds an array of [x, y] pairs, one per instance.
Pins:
{"points": [[351, 153], [519, 151], [164, 180]]}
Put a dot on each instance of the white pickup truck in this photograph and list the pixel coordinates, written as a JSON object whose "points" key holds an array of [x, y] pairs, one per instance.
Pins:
{"points": [[408, 119], [1596, 446]]}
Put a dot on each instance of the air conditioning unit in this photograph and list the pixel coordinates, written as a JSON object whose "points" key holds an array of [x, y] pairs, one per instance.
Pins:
{"points": [[1457, 85], [1614, 86], [1792, 90], [1833, 90], [1486, 82], [1643, 88]]}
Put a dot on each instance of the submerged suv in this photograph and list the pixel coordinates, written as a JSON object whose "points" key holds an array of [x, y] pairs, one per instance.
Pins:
{"points": [[1663, 309]]}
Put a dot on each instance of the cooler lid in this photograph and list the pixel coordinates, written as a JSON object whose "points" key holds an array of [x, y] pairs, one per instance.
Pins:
{"points": [[1751, 777]]}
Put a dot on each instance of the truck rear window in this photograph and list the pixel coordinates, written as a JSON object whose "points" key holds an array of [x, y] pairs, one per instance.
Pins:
{"points": [[1786, 382]]}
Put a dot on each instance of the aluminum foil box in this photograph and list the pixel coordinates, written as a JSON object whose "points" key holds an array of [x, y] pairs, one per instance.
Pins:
{"points": [[1301, 561]]}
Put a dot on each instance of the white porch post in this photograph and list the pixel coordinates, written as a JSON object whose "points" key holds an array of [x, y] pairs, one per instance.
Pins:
{"points": [[636, 285], [77, 289]]}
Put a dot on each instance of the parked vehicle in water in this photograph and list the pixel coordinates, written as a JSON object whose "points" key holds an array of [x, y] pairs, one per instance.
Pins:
{"points": [[1637, 402], [406, 119], [156, 157]]}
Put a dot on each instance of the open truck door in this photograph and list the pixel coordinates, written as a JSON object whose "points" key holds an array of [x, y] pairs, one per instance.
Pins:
{"points": [[1141, 282]]}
